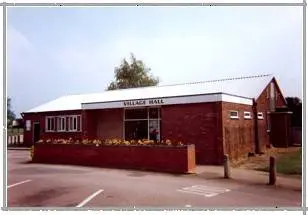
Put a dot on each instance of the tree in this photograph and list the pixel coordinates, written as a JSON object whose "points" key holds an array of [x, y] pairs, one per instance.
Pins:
{"points": [[132, 75], [10, 114], [295, 106]]}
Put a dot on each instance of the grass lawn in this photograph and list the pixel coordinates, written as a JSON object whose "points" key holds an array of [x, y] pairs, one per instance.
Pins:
{"points": [[290, 163]]}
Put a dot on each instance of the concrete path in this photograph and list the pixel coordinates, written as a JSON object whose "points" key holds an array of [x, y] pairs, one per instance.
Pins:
{"points": [[249, 177]]}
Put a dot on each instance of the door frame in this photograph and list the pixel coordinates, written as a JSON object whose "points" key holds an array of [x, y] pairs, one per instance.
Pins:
{"points": [[33, 133]]}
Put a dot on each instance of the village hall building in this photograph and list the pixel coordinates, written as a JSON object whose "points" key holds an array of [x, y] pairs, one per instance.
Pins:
{"points": [[232, 116]]}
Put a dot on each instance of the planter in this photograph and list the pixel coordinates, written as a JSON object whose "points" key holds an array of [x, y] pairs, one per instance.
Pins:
{"points": [[175, 159]]}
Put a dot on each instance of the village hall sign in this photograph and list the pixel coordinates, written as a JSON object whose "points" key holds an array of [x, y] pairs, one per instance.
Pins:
{"points": [[143, 102]]}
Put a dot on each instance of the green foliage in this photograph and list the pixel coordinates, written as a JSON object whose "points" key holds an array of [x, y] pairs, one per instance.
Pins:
{"points": [[131, 75], [10, 114]]}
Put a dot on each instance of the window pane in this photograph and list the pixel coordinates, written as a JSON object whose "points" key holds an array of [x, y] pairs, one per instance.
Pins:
{"points": [[52, 124], [233, 113], [70, 123], [79, 123], [136, 114], [63, 123], [75, 123], [153, 112]]}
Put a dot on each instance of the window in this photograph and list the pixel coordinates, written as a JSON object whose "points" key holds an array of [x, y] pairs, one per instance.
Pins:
{"points": [[234, 114], [72, 123], [50, 124], [136, 113], [154, 113], [247, 115], [28, 125], [61, 124], [142, 123], [260, 115]]}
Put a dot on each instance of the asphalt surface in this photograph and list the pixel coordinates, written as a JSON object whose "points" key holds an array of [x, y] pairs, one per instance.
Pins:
{"points": [[44, 185]]}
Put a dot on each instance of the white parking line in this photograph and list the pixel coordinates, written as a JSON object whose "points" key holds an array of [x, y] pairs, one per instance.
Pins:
{"points": [[89, 198], [207, 191], [22, 182]]}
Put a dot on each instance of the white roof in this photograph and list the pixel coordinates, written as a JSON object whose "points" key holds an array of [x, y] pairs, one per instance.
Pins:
{"points": [[249, 87]]}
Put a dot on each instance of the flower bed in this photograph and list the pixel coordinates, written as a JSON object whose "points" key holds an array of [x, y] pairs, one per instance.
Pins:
{"points": [[160, 156]]}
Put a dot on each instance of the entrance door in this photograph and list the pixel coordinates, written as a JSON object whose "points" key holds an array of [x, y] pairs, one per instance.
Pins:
{"points": [[136, 130], [36, 132]]}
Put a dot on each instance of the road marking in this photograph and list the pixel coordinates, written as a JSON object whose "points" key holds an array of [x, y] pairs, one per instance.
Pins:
{"points": [[187, 206], [22, 182], [207, 191], [89, 198]]}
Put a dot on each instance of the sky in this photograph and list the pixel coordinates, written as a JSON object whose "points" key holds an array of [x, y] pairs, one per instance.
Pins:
{"points": [[57, 51]]}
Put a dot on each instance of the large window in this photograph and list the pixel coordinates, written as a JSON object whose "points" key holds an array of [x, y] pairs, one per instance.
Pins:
{"points": [[142, 123], [71, 123]]}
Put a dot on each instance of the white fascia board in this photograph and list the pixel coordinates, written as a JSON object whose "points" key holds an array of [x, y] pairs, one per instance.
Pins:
{"points": [[167, 101], [236, 99]]}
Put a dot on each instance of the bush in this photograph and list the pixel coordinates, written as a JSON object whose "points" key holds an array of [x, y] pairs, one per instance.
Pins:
{"points": [[115, 142]]}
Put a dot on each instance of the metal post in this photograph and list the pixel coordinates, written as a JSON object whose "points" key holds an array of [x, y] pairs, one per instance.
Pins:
{"points": [[226, 166], [272, 171]]}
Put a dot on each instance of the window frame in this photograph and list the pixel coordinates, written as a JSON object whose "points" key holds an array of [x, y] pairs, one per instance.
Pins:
{"points": [[234, 117], [59, 122], [260, 115], [249, 116], [47, 129], [28, 125], [148, 119], [70, 127]]}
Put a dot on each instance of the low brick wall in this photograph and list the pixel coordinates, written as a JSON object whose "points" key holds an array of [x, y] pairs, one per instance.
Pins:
{"points": [[180, 159]]}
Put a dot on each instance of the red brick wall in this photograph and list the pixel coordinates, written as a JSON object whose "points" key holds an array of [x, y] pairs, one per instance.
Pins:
{"points": [[238, 134], [263, 105], [89, 123], [198, 124], [40, 117], [110, 124], [163, 159]]}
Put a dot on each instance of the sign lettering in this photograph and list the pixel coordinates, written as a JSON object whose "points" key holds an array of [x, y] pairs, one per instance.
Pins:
{"points": [[143, 102]]}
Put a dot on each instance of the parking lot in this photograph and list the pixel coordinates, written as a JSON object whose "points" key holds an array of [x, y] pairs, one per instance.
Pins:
{"points": [[44, 185]]}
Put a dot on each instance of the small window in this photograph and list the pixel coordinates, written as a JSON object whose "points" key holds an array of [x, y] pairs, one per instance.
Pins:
{"points": [[61, 124], [247, 115], [260, 115], [28, 125], [234, 115]]}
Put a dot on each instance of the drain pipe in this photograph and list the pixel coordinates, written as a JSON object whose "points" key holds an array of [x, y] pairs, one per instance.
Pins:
{"points": [[256, 129]]}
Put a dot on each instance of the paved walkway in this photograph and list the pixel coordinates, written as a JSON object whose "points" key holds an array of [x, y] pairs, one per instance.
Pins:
{"points": [[249, 177]]}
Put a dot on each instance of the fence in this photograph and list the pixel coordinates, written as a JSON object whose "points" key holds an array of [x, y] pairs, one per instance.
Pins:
{"points": [[238, 141], [15, 136]]}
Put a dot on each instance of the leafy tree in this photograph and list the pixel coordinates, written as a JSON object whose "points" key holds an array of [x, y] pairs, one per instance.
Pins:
{"points": [[295, 105], [131, 75], [10, 114]]}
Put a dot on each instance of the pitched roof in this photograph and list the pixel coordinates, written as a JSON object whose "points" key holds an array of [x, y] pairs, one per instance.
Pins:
{"points": [[249, 87]]}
